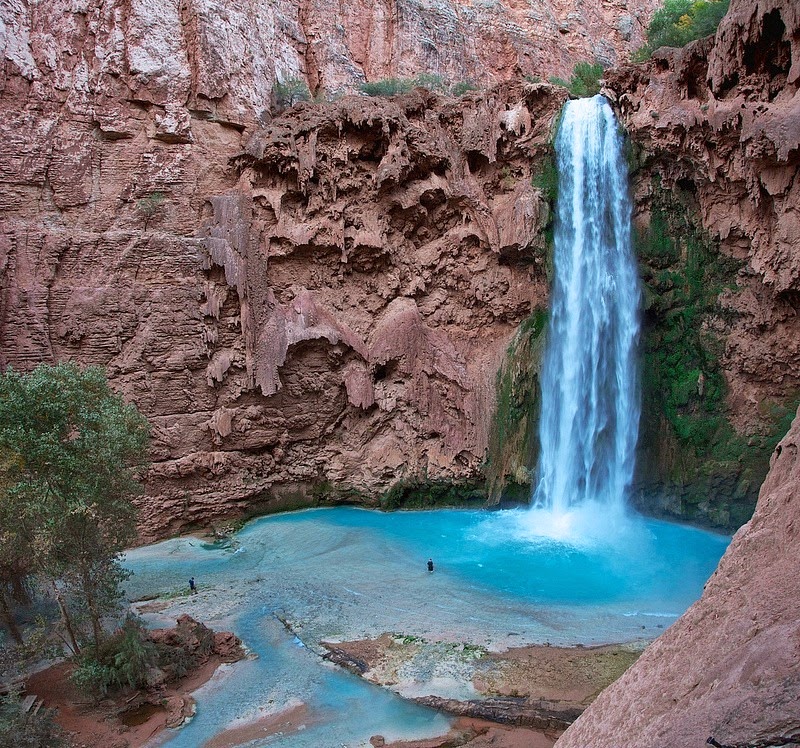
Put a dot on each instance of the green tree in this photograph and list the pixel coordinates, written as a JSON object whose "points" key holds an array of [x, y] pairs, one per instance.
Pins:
{"points": [[679, 22], [290, 92], [584, 81], [71, 452]]}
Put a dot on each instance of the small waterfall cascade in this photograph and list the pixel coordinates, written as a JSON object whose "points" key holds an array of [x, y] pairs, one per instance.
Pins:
{"points": [[590, 390]]}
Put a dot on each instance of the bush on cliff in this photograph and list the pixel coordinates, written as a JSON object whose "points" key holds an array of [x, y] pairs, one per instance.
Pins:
{"points": [[149, 206], [290, 92], [428, 81], [682, 21], [584, 81]]}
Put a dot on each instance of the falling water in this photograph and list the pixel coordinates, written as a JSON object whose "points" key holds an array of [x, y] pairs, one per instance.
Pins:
{"points": [[590, 398]]}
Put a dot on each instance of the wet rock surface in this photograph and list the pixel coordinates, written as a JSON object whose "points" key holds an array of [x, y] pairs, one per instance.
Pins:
{"points": [[542, 687]]}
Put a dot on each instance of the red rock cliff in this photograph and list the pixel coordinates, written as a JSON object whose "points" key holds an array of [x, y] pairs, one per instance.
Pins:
{"points": [[226, 56], [324, 300]]}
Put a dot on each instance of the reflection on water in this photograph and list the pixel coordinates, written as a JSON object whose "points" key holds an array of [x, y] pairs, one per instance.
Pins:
{"points": [[348, 573]]}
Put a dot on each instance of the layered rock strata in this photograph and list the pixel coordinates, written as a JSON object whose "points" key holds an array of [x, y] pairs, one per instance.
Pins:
{"points": [[223, 57], [322, 301]]}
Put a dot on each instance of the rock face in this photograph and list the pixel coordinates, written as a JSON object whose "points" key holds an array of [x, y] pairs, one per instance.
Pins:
{"points": [[716, 127], [730, 666], [323, 298], [320, 299], [225, 57]]}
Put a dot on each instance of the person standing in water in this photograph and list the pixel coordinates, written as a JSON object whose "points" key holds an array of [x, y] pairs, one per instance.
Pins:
{"points": [[192, 586], [430, 564]]}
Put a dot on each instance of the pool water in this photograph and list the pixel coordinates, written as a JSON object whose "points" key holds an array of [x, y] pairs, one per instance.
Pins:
{"points": [[501, 579]]}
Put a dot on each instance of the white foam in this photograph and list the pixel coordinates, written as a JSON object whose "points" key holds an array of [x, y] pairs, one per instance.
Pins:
{"points": [[587, 526]]}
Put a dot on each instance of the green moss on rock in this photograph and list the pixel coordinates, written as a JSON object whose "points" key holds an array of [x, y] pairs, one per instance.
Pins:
{"points": [[419, 493], [514, 444], [692, 464]]}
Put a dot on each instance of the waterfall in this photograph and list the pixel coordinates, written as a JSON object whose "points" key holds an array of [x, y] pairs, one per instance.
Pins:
{"points": [[590, 394]]}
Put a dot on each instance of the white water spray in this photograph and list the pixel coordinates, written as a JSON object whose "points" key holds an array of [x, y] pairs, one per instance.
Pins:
{"points": [[590, 392]]}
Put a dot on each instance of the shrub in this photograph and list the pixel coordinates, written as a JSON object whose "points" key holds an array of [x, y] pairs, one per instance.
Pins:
{"points": [[584, 81], [91, 677], [18, 730], [290, 92], [387, 87], [682, 21], [463, 87], [429, 81], [149, 205], [432, 82], [123, 659]]}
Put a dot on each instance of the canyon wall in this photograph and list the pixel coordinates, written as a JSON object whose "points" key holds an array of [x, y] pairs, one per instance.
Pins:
{"points": [[309, 305], [715, 132], [225, 57]]}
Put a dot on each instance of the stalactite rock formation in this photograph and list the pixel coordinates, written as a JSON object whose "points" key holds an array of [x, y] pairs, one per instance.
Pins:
{"points": [[319, 299]]}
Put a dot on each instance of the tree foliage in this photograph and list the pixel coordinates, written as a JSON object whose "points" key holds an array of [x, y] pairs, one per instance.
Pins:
{"points": [[679, 22], [290, 92], [584, 81], [429, 81], [70, 451], [123, 659]]}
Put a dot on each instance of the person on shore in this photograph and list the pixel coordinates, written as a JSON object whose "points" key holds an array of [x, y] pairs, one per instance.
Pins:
{"points": [[430, 564], [192, 586]]}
